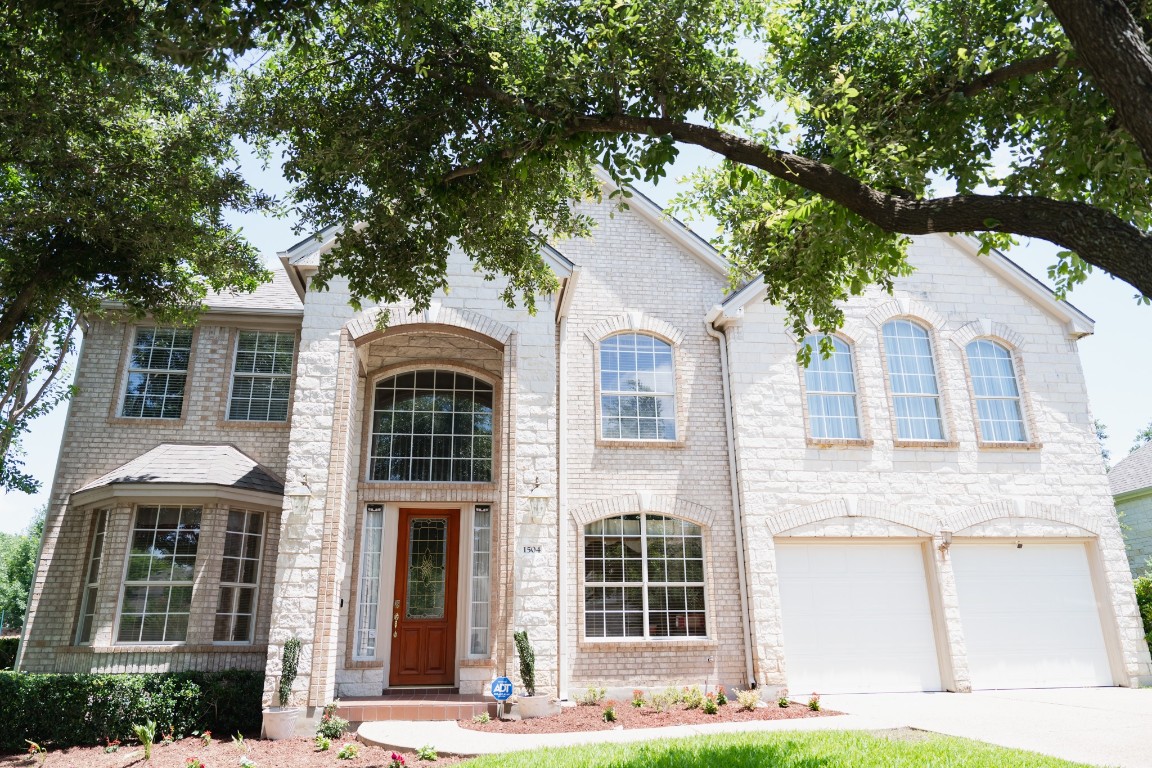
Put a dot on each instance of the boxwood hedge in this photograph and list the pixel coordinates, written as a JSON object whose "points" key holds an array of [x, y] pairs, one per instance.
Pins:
{"points": [[8, 648], [71, 710]]}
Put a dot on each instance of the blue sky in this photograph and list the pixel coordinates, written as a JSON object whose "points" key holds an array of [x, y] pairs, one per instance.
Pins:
{"points": [[1117, 360]]}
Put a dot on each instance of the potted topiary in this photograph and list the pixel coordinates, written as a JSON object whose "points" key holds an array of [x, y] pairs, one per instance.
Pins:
{"points": [[280, 721], [530, 704]]}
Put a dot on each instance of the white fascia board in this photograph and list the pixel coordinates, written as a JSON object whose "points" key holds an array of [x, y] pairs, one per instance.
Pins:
{"points": [[166, 491]]}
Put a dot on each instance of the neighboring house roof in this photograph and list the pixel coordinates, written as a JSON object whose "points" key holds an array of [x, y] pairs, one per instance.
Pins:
{"points": [[1076, 322], [173, 463], [1132, 474], [277, 296]]}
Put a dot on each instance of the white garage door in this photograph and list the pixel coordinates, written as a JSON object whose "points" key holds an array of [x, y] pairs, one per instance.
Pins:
{"points": [[856, 618], [1029, 615]]}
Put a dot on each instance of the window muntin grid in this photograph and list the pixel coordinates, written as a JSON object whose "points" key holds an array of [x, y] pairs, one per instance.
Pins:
{"points": [[637, 388], [481, 581], [830, 385], [912, 377], [432, 426], [158, 584], [368, 603], [262, 376], [239, 577], [157, 373], [643, 578], [997, 392], [91, 578]]}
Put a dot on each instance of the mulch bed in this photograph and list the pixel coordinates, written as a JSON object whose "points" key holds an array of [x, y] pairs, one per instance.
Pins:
{"points": [[591, 717], [289, 753]]}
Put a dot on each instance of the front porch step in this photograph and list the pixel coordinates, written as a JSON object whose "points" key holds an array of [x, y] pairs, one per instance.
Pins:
{"points": [[417, 705], [418, 691]]}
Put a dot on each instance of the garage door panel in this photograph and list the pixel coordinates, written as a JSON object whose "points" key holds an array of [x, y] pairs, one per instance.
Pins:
{"points": [[1029, 615], [856, 617]]}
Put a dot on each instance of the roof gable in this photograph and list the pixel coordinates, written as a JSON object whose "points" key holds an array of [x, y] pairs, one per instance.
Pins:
{"points": [[1134, 473]]}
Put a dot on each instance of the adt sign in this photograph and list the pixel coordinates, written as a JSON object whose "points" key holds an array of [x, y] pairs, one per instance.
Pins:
{"points": [[501, 689]]}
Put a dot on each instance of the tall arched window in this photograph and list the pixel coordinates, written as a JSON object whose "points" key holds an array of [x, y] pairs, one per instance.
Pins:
{"points": [[997, 393], [637, 388], [643, 577], [432, 426], [912, 377], [830, 385]]}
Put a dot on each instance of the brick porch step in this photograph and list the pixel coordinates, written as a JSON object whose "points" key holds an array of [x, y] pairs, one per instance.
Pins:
{"points": [[415, 704]]}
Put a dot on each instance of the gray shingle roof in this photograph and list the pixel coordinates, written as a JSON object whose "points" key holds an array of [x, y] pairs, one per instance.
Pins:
{"points": [[1134, 473], [193, 465], [277, 295]]}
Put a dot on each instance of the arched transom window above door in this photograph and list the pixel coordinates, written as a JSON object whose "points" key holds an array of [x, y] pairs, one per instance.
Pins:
{"points": [[431, 426]]}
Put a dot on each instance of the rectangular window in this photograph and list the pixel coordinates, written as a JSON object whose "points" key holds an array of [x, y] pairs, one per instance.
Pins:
{"points": [[91, 577], [157, 373], [481, 582], [239, 577], [912, 377], [368, 603], [158, 583], [644, 577], [831, 388], [262, 376], [637, 388]]}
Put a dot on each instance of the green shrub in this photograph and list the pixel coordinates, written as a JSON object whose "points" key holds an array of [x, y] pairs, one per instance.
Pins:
{"points": [[8, 648], [84, 710], [1144, 602]]}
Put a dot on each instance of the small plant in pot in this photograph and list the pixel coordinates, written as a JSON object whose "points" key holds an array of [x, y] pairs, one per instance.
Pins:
{"points": [[530, 704], [280, 721]]}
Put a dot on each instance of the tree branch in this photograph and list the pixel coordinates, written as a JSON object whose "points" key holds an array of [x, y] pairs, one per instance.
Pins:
{"points": [[1111, 44], [1013, 71]]}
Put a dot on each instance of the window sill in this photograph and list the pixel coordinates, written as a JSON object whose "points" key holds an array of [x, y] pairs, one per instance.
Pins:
{"points": [[146, 422], [242, 424], [947, 444], [168, 648], [819, 442], [602, 443], [646, 644], [1009, 446], [364, 664]]}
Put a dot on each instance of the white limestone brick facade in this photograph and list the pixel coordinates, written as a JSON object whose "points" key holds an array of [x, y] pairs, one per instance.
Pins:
{"points": [[747, 474]]}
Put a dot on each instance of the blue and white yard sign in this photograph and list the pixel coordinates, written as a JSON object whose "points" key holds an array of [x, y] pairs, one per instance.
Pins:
{"points": [[501, 689]]}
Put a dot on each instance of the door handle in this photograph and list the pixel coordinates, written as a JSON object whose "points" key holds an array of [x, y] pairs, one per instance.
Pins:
{"points": [[395, 621]]}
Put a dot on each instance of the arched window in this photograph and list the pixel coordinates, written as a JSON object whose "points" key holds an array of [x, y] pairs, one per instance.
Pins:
{"points": [[643, 577], [432, 426], [912, 378], [830, 385], [637, 388], [997, 393]]}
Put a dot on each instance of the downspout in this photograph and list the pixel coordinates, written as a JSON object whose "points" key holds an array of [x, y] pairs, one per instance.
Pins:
{"points": [[737, 511], [562, 481]]}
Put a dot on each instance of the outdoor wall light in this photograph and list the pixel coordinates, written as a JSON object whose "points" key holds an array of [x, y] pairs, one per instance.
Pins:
{"points": [[945, 541], [537, 503], [299, 495]]}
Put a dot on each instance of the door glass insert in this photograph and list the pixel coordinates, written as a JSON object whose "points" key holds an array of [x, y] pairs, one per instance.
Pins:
{"points": [[427, 560]]}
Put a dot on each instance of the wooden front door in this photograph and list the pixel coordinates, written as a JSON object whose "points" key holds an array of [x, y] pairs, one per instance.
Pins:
{"points": [[424, 605]]}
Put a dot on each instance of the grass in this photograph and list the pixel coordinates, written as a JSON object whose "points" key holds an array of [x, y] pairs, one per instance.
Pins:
{"points": [[823, 749]]}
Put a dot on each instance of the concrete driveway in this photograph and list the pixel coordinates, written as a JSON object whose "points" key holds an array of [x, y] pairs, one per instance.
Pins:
{"points": [[1098, 726]]}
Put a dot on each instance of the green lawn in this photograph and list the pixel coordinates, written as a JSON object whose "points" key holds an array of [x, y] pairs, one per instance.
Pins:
{"points": [[831, 749]]}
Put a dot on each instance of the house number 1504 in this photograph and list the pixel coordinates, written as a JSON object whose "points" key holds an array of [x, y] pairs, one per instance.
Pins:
{"points": [[532, 550]]}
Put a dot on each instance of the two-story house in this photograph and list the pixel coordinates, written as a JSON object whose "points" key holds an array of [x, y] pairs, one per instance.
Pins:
{"points": [[640, 475]]}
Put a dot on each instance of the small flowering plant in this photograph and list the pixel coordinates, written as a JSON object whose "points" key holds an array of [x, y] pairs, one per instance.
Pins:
{"points": [[112, 745], [397, 761], [721, 696], [206, 738], [638, 698], [814, 702], [193, 762]]}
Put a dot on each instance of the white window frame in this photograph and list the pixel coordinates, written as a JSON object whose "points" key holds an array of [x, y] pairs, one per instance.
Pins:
{"points": [[130, 369], [364, 576], [257, 375], [655, 394], [237, 584], [125, 583], [977, 398], [644, 585], [894, 396], [481, 534], [90, 589], [809, 393]]}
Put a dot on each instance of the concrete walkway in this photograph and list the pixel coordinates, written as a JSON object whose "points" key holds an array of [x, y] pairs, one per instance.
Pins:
{"points": [[1098, 726], [451, 739]]}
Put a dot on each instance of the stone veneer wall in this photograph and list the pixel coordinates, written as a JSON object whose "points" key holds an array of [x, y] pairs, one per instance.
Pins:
{"points": [[1054, 487], [633, 276], [96, 441], [1136, 515]]}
